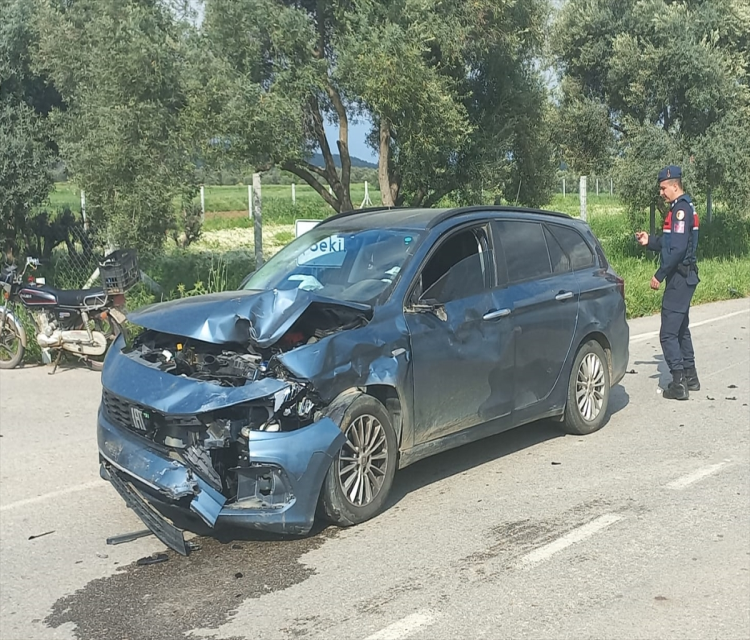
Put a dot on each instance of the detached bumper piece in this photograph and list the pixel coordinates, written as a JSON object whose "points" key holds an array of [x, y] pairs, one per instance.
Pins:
{"points": [[159, 526]]}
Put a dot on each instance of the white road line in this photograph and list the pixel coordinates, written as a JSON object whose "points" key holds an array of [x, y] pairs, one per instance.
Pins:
{"points": [[404, 628], [54, 494], [577, 535], [691, 478], [639, 337]]}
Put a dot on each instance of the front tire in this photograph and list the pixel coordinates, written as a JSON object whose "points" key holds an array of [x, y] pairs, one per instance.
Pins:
{"points": [[588, 391], [360, 477], [12, 339]]}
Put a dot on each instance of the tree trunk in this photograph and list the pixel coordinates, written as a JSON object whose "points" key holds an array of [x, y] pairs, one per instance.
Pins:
{"points": [[390, 185], [384, 179]]}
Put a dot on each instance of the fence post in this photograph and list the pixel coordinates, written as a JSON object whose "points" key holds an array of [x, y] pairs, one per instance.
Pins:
{"points": [[250, 201], [582, 197], [610, 187], [257, 217], [203, 203], [294, 194], [597, 187], [563, 187], [83, 211], [366, 200]]}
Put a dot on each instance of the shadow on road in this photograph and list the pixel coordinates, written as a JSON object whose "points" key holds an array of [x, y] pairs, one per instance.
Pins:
{"points": [[475, 454]]}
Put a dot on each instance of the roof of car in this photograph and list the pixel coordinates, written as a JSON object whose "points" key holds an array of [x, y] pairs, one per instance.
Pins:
{"points": [[422, 218]]}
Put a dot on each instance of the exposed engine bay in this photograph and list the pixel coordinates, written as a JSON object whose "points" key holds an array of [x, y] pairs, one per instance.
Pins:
{"points": [[215, 443]]}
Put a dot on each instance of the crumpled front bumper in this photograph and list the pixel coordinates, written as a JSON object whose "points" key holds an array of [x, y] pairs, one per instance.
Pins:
{"points": [[297, 460]]}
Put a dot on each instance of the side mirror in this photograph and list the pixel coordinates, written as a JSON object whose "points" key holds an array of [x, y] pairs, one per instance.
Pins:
{"points": [[429, 305]]}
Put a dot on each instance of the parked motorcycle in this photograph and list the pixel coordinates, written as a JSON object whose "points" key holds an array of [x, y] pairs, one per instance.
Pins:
{"points": [[83, 322]]}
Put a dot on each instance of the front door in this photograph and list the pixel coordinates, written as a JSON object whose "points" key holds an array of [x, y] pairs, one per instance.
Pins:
{"points": [[462, 341]]}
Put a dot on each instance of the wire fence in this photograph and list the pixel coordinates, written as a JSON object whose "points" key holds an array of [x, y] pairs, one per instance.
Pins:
{"points": [[74, 258]]}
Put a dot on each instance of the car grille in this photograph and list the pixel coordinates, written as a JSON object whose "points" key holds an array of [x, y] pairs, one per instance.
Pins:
{"points": [[137, 417]]}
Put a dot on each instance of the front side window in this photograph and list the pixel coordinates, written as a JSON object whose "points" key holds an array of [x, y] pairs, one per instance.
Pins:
{"points": [[357, 266], [460, 268]]}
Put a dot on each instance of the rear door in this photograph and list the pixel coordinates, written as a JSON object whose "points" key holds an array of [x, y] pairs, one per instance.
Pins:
{"points": [[543, 293]]}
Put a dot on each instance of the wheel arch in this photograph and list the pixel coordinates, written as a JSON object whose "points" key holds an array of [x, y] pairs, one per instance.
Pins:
{"points": [[386, 394], [604, 343]]}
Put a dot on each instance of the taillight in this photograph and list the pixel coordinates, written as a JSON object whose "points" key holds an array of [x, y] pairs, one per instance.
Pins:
{"points": [[620, 286]]}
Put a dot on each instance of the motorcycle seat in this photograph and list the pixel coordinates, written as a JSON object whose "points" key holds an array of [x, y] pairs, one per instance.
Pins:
{"points": [[86, 298]]}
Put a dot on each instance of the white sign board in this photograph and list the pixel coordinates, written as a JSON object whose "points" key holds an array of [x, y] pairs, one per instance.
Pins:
{"points": [[303, 226]]}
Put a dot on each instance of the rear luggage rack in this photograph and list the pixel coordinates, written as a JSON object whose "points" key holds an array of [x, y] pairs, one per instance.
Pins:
{"points": [[119, 271]]}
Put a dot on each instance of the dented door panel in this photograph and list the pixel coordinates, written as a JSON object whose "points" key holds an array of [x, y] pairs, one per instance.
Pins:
{"points": [[462, 367]]}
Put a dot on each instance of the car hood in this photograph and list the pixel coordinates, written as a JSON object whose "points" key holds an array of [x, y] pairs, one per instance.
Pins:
{"points": [[260, 318]]}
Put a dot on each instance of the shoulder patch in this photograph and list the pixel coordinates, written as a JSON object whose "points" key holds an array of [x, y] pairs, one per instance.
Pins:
{"points": [[680, 215]]}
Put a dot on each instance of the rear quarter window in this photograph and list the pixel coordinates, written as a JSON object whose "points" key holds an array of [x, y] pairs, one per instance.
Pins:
{"points": [[577, 249]]}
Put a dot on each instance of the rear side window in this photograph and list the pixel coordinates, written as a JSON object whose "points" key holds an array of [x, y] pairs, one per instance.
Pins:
{"points": [[525, 249], [560, 262], [580, 254]]}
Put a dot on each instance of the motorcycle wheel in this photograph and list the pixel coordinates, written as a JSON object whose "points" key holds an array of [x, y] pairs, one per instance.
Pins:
{"points": [[111, 330], [12, 337]]}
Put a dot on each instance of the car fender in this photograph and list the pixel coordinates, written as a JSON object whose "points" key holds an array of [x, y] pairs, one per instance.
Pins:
{"points": [[337, 408]]}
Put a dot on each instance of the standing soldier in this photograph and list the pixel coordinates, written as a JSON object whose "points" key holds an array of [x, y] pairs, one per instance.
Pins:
{"points": [[677, 244]]}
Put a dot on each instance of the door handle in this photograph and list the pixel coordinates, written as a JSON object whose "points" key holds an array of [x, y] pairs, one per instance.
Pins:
{"points": [[493, 315], [565, 295]]}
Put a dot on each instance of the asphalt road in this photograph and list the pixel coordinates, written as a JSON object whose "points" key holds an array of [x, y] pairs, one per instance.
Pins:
{"points": [[641, 530]]}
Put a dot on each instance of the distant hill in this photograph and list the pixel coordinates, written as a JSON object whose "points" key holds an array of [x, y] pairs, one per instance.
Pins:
{"points": [[317, 160]]}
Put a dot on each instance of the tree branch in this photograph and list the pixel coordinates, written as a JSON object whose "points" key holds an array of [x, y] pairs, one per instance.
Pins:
{"points": [[308, 177], [343, 142], [313, 169], [436, 195], [320, 133]]}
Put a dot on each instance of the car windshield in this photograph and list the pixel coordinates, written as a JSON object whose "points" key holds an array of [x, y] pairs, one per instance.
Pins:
{"points": [[357, 266]]}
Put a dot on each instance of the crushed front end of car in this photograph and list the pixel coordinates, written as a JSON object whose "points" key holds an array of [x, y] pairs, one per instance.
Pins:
{"points": [[200, 414]]}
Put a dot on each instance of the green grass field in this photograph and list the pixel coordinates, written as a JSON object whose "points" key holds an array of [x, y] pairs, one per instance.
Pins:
{"points": [[233, 198], [231, 202]]}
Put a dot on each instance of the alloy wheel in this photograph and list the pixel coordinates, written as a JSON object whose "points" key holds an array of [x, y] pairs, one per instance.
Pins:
{"points": [[590, 384], [363, 460]]}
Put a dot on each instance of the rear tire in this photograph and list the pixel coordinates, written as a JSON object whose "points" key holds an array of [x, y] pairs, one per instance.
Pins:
{"points": [[361, 475], [588, 391], [12, 339]]}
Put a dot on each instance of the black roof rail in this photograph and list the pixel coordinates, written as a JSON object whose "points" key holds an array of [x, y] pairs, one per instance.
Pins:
{"points": [[351, 212], [450, 213]]}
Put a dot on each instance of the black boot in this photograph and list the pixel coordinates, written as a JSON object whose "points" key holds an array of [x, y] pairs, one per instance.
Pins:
{"points": [[677, 389], [691, 379]]}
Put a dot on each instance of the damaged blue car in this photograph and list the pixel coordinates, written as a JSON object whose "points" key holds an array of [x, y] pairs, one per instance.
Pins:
{"points": [[378, 338]]}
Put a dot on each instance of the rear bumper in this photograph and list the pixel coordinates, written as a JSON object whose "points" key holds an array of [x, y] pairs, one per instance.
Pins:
{"points": [[278, 492], [620, 352]]}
